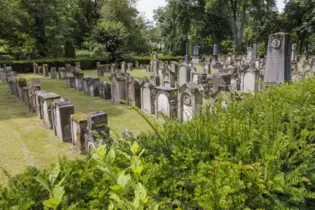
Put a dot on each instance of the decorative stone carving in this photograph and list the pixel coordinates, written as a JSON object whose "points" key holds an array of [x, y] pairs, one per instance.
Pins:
{"points": [[190, 101]]}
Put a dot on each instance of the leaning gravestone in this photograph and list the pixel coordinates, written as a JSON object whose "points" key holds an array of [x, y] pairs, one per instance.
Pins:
{"points": [[78, 129], [62, 109], [278, 67]]}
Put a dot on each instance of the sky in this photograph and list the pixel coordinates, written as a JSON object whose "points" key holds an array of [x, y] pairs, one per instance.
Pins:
{"points": [[147, 6]]}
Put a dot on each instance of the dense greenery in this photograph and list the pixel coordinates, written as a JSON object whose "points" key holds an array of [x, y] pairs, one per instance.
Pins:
{"points": [[205, 22], [256, 154]]}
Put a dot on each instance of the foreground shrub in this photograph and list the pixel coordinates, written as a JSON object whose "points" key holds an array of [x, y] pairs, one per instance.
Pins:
{"points": [[256, 154]]}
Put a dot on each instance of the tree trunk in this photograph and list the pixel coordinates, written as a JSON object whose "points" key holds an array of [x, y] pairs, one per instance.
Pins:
{"points": [[242, 28], [233, 24]]}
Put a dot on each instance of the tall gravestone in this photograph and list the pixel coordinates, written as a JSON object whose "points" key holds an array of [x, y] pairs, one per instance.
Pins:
{"points": [[78, 129], [215, 54], [278, 67], [254, 52], [293, 55]]}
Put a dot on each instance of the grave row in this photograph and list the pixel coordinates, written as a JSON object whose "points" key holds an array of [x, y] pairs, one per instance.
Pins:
{"points": [[57, 113]]}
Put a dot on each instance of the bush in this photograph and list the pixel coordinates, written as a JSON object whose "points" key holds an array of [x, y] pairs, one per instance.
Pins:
{"points": [[26, 66], [256, 154]]}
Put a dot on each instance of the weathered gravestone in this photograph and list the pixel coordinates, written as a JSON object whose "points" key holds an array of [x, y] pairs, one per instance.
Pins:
{"points": [[78, 79], [297, 76], [70, 82], [96, 130], [278, 67], [21, 82], [62, 73], [166, 102], [113, 68], [130, 67], [249, 56], [207, 68], [62, 109], [40, 70], [12, 85], [147, 96], [183, 74], [93, 84], [137, 64], [35, 68], [46, 100], [133, 92], [38, 98], [105, 91], [100, 70], [118, 89], [215, 59], [78, 129], [190, 101], [25, 96], [2, 76], [68, 67], [45, 70], [34, 86], [123, 67], [254, 52], [78, 65], [293, 54], [249, 79], [53, 73]]}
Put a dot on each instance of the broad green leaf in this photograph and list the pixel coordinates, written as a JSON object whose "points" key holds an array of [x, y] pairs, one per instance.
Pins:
{"points": [[58, 193], [123, 180], [51, 203], [54, 174], [134, 148], [107, 172], [43, 182], [137, 171], [116, 188]]}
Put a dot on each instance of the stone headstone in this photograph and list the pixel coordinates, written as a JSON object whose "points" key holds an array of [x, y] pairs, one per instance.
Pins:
{"points": [[38, 98], [147, 96], [249, 79], [249, 56], [35, 68], [123, 68], [93, 84], [62, 73], [25, 95], [137, 64], [166, 102], [53, 73], [79, 129], [34, 86], [21, 82], [215, 54], [100, 70], [133, 92], [293, 54], [118, 88], [68, 67], [96, 130], [113, 68], [254, 52], [12, 85], [45, 70], [46, 100], [62, 109], [183, 74], [105, 91], [78, 80], [70, 82], [78, 65], [130, 66], [278, 67], [190, 101]]}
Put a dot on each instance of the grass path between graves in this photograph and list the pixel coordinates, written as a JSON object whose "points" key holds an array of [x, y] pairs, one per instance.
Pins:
{"points": [[24, 141]]}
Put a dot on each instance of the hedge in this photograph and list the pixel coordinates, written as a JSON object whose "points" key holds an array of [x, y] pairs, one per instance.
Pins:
{"points": [[25, 66]]}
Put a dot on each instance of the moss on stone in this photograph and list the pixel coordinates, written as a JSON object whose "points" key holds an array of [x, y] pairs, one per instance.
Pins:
{"points": [[79, 117]]}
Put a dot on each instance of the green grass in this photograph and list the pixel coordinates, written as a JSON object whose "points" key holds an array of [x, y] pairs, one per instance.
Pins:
{"points": [[25, 142]]}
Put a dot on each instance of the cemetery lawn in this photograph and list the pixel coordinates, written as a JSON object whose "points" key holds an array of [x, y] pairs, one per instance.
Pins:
{"points": [[25, 142]]}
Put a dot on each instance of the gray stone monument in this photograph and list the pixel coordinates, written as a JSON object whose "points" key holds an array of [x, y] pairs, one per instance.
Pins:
{"points": [[105, 91], [45, 70], [183, 74], [215, 59], [166, 102], [78, 80], [147, 96], [278, 67], [62, 109], [190, 101], [118, 88], [46, 100], [53, 73], [250, 79], [254, 52], [35, 68], [78, 129], [62, 73], [133, 92], [293, 55], [93, 86], [70, 82], [130, 66]]}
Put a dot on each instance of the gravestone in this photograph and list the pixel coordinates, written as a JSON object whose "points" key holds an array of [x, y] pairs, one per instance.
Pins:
{"points": [[70, 82], [190, 101], [123, 68], [118, 88], [38, 98], [174, 67], [249, 79], [34, 86], [2, 75], [130, 66], [93, 84], [12, 85], [234, 83], [196, 55], [207, 68], [147, 96], [62, 109], [68, 67], [100, 70], [105, 91], [254, 52], [25, 95], [35, 68], [293, 54], [53, 73], [85, 85], [215, 59], [278, 67], [21, 82], [78, 80], [137, 64], [96, 130], [166, 102], [133, 92], [249, 54], [183, 74], [46, 100], [40, 70], [78, 129], [113, 68], [297, 76], [62, 73], [45, 70], [77, 65]]}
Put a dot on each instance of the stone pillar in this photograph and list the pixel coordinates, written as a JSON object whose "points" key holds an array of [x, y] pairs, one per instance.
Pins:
{"points": [[62, 109], [12, 85], [293, 55], [215, 55], [254, 52], [78, 129], [130, 66], [113, 68], [78, 78], [278, 67], [46, 102], [35, 68], [45, 70], [70, 82], [249, 54], [123, 67], [21, 83]]}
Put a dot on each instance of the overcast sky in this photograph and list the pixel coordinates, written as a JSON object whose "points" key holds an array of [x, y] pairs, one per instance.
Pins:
{"points": [[147, 6]]}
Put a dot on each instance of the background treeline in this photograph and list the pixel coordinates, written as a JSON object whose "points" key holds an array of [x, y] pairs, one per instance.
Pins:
{"points": [[111, 29]]}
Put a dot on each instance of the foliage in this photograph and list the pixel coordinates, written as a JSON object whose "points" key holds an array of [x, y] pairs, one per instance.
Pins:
{"points": [[256, 154]]}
